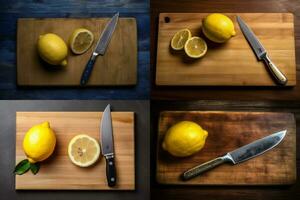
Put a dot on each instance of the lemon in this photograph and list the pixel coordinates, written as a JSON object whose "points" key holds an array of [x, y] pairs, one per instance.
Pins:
{"points": [[39, 142], [184, 139], [180, 38], [83, 150], [81, 40], [52, 49], [218, 27], [195, 47]]}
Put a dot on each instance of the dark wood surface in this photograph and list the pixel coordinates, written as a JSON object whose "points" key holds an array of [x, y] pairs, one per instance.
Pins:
{"points": [[228, 131], [165, 192], [226, 93]]}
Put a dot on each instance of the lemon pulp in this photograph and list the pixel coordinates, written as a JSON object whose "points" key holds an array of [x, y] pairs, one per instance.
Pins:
{"points": [[81, 40], [195, 47], [179, 39], [83, 150]]}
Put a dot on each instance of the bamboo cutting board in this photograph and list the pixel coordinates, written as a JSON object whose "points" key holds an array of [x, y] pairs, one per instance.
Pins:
{"points": [[228, 131], [58, 172], [117, 67], [229, 64]]}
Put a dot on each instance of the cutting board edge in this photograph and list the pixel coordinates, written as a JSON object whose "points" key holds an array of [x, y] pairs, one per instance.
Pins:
{"points": [[292, 180], [23, 83], [132, 187], [293, 83]]}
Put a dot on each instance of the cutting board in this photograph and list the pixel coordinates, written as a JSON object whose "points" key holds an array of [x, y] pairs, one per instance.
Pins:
{"points": [[228, 131], [58, 172], [117, 67], [232, 63]]}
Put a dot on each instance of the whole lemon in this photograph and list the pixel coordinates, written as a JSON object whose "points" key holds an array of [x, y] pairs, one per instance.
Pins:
{"points": [[184, 139], [52, 49], [39, 142], [218, 27]]}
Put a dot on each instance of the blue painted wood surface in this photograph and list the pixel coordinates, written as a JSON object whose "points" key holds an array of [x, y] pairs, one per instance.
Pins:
{"points": [[11, 10]]}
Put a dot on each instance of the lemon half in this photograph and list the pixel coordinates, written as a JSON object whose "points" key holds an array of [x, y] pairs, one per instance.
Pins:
{"points": [[180, 38], [81, 40], [83, 150], [195, 47]]}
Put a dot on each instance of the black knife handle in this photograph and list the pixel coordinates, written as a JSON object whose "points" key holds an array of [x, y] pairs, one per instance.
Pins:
{"points": [[88, 70], [110, 171], [278, 75]]}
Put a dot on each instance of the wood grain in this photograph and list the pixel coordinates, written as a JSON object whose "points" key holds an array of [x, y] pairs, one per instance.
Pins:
{"points": [[228, 131], [117, 67], [232, 63], [58, 172]]}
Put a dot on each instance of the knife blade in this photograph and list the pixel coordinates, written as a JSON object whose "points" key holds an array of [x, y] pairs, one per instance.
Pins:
{"points": [[261, 52], [239, 155], [107, 146], [101, 47]]}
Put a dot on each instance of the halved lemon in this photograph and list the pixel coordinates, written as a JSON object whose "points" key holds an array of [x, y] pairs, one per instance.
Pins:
{"points": [[180, 38], [81, 40], [83, 150], [195, 47]]}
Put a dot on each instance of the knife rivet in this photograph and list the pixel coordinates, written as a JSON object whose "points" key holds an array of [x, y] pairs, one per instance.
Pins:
{"points": [[112, 179], [110, 163]]}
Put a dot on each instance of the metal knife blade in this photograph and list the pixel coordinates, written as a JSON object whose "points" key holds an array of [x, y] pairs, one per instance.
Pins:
{"points": [[255, 44], [106, 35], [107, 143], [107, 146], [100, 48], [239, 155], [257, 147]]}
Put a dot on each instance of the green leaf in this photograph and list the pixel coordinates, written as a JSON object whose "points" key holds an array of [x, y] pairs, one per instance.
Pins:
{"points": [[34, 167], [22, 167]]}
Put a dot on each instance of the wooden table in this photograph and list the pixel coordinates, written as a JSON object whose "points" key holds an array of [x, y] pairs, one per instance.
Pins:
{"points": [[172, 192], [225, 93]]}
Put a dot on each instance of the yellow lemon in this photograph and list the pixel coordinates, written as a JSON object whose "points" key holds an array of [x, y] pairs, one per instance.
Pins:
{"points": [[52, 49], [39, 142], [83, 150], [184, 139], [180, 38], [81, 40], [195, 47], [218, 27]]}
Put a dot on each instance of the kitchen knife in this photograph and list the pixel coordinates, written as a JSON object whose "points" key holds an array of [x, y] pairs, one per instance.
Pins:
{"points": [[107, 146], [261, 52], [239, 155], [100, 48]]}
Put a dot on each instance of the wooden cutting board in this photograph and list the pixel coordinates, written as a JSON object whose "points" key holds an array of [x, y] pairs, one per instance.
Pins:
{"points": [[117, 67], [228, 131], [229, 64], [58, 173]]}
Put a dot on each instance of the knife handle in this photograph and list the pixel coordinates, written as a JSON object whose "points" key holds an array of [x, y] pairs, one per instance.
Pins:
{"points": [[88, 70], [278, 75], [199, 169], [110, 170]]}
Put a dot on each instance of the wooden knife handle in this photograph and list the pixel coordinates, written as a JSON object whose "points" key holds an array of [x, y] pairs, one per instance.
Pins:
{"points": [[278, 75], [199, 169], [110, 171], [88, 70]]}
